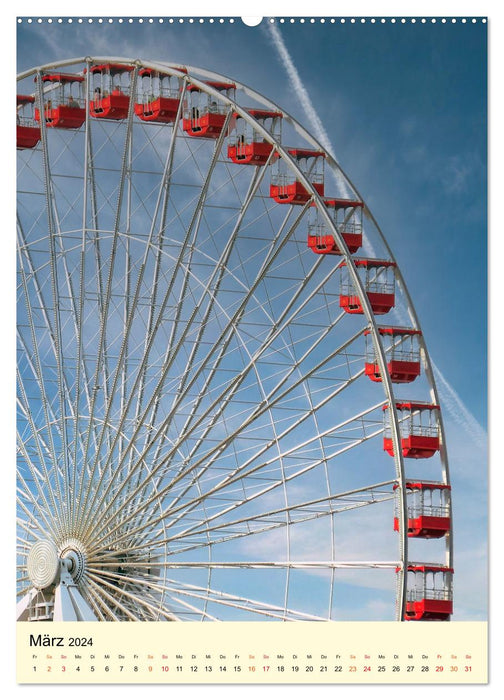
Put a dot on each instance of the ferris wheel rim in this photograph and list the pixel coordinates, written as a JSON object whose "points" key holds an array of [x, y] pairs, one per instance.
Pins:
{"points": [[315, 197]]}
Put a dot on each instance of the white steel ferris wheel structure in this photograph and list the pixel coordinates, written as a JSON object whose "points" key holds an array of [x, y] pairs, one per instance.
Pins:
{"points": [[211, 331]]}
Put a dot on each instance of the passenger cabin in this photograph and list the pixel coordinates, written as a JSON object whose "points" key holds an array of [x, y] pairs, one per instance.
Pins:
{"points": [[204, 114], [429, 592], [64, 104], [378, 277], [419, 430], [428, 509], [27, 131], [246, 145], [158, 96], [285, 188], [347, 217], [402, 348], [110, 92]]}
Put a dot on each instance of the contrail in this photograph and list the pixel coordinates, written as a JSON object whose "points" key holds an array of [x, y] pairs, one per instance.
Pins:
{"points": [[452, 401], [458, 410], [318, 128], [299, 88], [454, 404]]}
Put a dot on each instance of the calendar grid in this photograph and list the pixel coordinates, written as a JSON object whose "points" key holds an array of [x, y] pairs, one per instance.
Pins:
{"points": [[252, 653]]}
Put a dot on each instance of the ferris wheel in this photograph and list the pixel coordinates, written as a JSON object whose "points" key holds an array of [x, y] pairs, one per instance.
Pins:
{"points": [[226, 409]]}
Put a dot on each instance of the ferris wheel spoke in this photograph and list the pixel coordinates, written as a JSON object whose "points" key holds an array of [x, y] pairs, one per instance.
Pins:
{"points": [[294, 564], [332, 504], [31, 355], [100, 598], [31, 524], [245, 472], [226, 599], [242, 472], [221, 402], [220, 347], [160, 213], [102, 611], [91, 230], [239, 474], [175, 589], [139, 604], [166, 365], [200, 612], [194, 225], [253, 186], [82, 380], [165, 180], [225, 396], [257, 523], [53, 238], [268, 404], [27, 525], [129, 309], [185, 511], [36, 366], [182, 266], [218, 275], [101, 355], [55, 502]]}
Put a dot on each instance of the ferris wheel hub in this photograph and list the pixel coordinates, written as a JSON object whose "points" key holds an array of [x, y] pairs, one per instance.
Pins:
{"points": [[43, 564], [73, 553]]}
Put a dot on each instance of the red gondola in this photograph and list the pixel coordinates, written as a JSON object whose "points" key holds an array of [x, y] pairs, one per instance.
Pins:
{"points": [[419, 428], [246, 144], [431, 595], [379, 282], [111, 91], [347, 216], [403, 354], [27, 132], [64, 107], [286, 189], [204, 115], [428, 510], [160, 96]]}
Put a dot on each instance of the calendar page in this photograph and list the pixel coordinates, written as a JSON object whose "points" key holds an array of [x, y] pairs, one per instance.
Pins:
{"points": [[251, 303]]}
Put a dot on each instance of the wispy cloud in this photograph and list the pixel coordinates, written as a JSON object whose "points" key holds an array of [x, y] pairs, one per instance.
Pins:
{"points": [[457, 174], [454, 404], [300, 90], [458, 410]]}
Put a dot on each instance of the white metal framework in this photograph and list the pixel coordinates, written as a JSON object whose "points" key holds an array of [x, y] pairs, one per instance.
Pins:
{"points": [[197, 436]]}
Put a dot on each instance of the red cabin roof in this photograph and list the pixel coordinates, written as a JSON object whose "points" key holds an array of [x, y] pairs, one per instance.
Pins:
{"points": [[61, 78], [371, 262], [217, 85], [150, 71], [259, 114], [395, 331], [112, 68], [342, 203], [415, 406], [428, 568], [306, 153], [24, 99], [262, 114], [412, 406], [154, 71], [425, 485]]}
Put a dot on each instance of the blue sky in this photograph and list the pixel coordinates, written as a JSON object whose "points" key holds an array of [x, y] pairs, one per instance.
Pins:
{"points": [[404, 107]]}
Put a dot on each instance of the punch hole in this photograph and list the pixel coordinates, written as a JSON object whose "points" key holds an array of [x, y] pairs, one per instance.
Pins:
{"points": [[252, 21]]}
